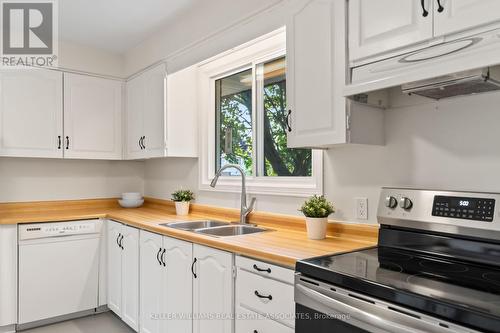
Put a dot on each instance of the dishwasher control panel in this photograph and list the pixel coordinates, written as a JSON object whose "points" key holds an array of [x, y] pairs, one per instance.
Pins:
{"points": [[55, 229]]}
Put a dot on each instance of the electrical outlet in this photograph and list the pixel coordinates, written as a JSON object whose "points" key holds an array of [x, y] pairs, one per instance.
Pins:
{"points": [[361, 208]]}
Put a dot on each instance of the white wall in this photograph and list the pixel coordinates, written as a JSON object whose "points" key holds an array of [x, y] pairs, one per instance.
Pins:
{"points": [[88, 59], [31, 179], [451, 144]]}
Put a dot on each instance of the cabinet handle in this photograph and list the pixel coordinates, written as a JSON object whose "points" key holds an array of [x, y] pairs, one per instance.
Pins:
{"points": [[440, 8], [144, 142], [121, 243], [163, 257], [261, 269], [289, 127], [158, 256], [192, 268], [67, 142], [118, 240], [59, 142], [269, 297], [425, 12]]}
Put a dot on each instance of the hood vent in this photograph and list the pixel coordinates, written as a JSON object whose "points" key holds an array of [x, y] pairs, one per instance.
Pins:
{"points": [[463, 83]]}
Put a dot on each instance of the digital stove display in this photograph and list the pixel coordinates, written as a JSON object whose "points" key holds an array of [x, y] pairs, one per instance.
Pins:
{"points": [[477, 209]]}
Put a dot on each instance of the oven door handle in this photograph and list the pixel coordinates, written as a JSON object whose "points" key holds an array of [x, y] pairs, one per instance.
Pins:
{"points": [[399, 323]]}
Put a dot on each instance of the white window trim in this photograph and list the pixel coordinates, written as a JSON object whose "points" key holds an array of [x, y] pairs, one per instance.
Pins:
{"points": [[268, 47]]}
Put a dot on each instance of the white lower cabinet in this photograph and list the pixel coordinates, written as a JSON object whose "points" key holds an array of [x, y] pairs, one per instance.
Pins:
{"points": [[123, 272], [264, 297], [212, 290], [8, 277], [165, 284]]}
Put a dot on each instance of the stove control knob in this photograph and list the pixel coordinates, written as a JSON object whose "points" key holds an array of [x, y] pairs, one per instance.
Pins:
{"points": [[405, 203], [391, 202]]}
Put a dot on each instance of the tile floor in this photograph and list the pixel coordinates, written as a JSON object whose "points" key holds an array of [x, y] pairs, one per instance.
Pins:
{"points": [[102, 323]]}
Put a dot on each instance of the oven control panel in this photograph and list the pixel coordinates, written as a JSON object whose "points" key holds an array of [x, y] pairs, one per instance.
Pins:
{"points": [[468, 208]]}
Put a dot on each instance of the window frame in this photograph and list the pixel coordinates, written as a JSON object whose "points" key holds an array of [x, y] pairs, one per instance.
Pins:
{"points": [[247, 56]]}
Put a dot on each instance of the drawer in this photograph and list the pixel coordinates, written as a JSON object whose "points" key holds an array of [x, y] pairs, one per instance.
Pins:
{"points": [[266, 296], [265, 269], [251, 322]]}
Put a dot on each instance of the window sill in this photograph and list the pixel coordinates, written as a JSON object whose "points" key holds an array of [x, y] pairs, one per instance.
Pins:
{"points": [[277, 187]]}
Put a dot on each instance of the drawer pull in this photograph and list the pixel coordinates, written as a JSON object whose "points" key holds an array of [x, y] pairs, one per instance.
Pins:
{"points": [[261, 269], [269, 297]]}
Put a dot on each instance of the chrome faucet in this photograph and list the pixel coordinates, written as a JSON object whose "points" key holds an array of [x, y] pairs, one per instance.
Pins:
{"points": [[245, 210]]}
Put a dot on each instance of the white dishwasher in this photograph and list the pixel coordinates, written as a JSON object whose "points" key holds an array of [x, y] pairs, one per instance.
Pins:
{"points": [[58, 269]]}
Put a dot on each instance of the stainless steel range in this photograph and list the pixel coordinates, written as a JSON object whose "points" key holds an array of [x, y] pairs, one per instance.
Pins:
{"points": [[436, 269]]}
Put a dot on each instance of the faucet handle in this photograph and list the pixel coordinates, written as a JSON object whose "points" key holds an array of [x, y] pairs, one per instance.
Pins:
{"points": [[251, 206]]}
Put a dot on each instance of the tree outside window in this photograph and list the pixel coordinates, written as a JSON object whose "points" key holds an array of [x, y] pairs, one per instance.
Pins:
{"points": [[258, 143]]}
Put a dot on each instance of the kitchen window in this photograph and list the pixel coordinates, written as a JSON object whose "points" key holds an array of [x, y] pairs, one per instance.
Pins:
{"points": [[245, 123]]}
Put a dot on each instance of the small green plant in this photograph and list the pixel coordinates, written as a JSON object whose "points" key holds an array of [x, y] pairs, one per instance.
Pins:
{"points": [[183, 195], [317, 206]]}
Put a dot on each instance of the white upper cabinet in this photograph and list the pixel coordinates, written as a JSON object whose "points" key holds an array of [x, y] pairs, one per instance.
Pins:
{"points": [[460, 15], [212, 290], [182, 113], [316, 115], [384, 25], [384, 28], [31, 113], [146, 119], [92, 117], [162, 114]]}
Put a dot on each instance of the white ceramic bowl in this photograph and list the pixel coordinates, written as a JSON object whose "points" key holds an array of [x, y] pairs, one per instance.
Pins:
{"points": [[132, 196], [131, 203]]}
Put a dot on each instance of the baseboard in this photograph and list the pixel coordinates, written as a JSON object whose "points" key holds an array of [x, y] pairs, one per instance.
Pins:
{"points": [[44, 322], [8, 329]]}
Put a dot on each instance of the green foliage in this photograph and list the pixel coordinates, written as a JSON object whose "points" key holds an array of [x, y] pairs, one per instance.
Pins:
{"points": [[183, 195], [235, 114], [317, 206]]}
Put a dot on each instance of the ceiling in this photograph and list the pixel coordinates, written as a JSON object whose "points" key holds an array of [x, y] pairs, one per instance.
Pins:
{"points": [[116, 25]]}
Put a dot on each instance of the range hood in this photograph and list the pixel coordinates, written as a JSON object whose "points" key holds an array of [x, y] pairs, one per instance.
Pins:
{"points": [[458, 84]]}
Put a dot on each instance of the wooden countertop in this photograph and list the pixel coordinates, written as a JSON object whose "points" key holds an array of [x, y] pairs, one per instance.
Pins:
{"points": [[284, 245]]}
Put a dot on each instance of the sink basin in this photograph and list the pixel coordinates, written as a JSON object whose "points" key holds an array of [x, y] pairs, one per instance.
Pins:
{"points": [[230, 230], [190, 226]]}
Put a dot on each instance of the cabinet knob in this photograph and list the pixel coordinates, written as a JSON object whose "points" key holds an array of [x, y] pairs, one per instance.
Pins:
{"points": [[405, 203]]}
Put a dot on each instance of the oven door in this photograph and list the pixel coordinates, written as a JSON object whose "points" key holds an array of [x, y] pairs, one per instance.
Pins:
{"points": [[323, 308]]}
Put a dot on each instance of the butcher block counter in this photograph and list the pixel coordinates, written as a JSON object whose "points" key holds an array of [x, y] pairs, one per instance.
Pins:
{"points": [[284, 244]]}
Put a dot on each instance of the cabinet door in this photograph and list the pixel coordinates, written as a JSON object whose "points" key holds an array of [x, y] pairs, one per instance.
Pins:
{"points": [[178, 285], [135, 117], [31, 113], [182, 113], [212, 290], [8, 274], [459, 15], [314, 96], [155, 111], [152, 274], [130, 276], [114, 268], [379, 26], [92, 117]]}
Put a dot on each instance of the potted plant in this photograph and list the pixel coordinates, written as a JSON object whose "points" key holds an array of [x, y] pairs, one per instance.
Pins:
{"points": [[182, 198], [317, 209]]}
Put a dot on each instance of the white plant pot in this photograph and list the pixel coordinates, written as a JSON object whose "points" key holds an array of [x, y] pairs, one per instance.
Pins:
{"points": [[316, 227], [182, 208]]}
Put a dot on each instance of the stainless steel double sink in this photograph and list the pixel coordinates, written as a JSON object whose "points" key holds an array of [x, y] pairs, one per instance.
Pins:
{"points": [[215, 228]]}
